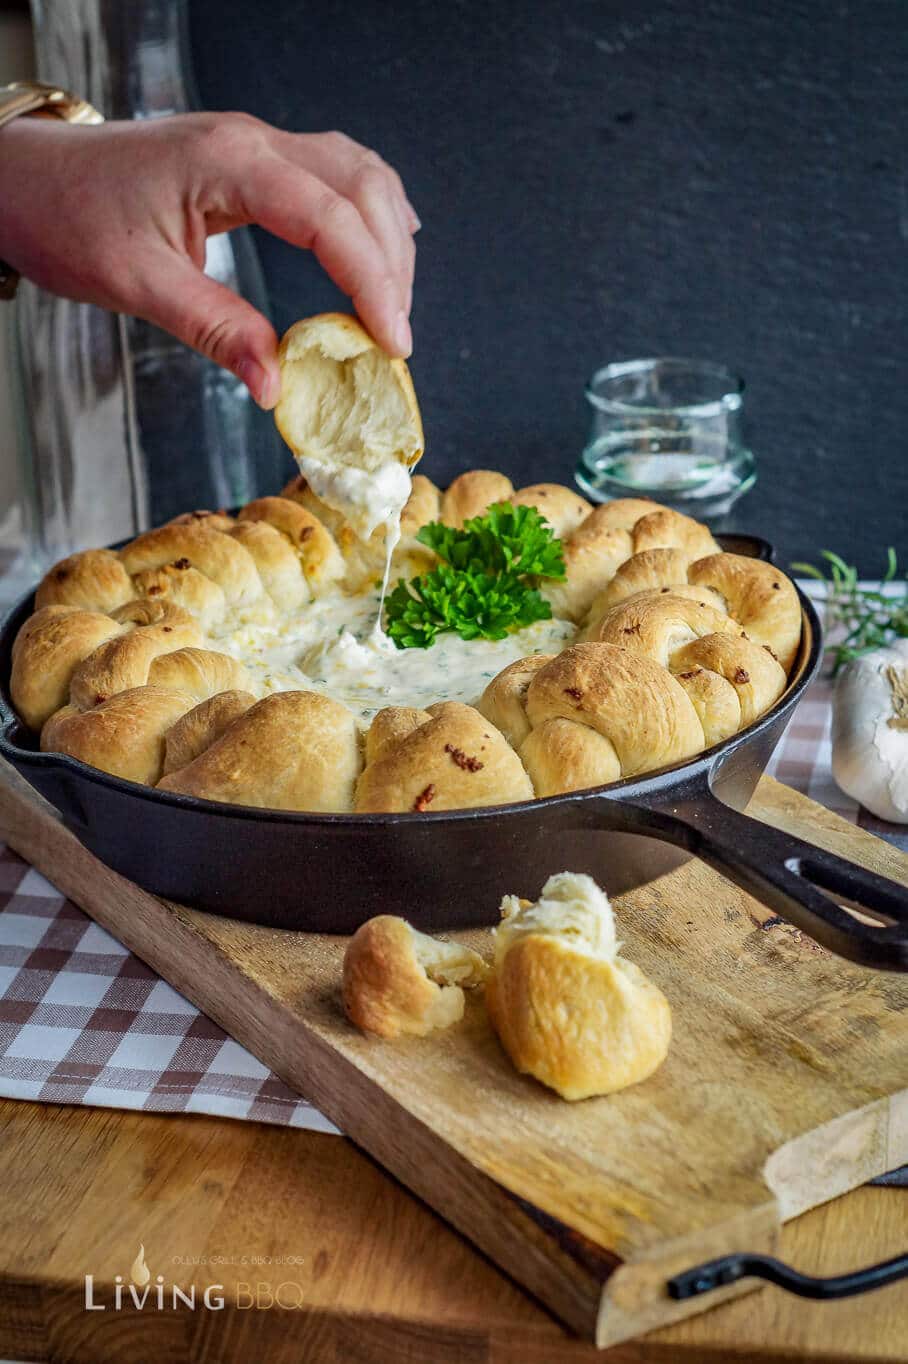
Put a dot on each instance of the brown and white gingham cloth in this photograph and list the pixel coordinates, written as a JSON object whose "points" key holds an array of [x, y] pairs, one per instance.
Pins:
{"points": [[84, 1021]]}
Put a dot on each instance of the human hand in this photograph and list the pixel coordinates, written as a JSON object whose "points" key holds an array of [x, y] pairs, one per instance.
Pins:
{"points": [[118, 215]]}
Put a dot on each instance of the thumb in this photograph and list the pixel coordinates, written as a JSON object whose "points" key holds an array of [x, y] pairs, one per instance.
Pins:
{"points": [[215, 321]]}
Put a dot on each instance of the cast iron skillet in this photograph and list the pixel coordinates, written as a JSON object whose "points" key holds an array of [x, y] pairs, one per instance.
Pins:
{"points": [[329, 872]]}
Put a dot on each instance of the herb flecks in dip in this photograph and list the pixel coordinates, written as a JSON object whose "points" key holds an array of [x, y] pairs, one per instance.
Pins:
{"points": [[332, 648]]}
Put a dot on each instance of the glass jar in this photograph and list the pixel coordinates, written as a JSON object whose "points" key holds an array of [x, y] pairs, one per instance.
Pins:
{"points": [[669, 429]]}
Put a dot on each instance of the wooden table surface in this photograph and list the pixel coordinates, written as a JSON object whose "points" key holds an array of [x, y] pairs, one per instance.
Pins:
{"points": [[379, 1277]]}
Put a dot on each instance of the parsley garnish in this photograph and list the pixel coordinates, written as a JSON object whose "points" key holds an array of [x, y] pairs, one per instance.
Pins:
{"points": [[869, 617], [479, 589]]}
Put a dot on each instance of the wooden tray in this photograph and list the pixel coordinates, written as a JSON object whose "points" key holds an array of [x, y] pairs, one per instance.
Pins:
{"points": [[787, 1082]]}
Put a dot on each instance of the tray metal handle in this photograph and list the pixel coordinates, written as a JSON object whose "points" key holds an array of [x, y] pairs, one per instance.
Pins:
{"points": [[730, 1268]]}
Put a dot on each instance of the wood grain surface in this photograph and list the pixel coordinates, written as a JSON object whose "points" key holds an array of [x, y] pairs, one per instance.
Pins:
{"points": [[383, 1280], [589, 1205]]}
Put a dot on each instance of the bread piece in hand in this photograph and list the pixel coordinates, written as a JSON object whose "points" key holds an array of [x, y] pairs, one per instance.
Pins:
{"points": [[567, 1008], [397, 980], [350, 416]]}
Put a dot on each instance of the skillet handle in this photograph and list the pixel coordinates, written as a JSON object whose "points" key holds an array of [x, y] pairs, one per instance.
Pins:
{"points": [[785, 873]]}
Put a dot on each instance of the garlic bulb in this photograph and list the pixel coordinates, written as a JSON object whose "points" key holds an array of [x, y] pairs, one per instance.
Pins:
{"points": [[870, 731]]}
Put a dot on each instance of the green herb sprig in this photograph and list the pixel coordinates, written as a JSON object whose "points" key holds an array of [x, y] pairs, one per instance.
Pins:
{"points": [[869, 617], [479, 590]]}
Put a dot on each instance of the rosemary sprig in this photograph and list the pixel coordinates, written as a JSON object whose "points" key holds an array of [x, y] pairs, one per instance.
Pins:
{"points": [[867, 617]]}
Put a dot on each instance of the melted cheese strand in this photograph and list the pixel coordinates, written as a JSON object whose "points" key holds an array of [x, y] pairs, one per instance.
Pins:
{"points": [[392, 540]]}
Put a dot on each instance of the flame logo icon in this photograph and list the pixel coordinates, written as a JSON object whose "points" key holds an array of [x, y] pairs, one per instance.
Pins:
{"points": [[140, 1273]]}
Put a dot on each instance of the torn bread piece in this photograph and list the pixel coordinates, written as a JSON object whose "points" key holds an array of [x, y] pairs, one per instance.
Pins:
{"points": [[350, 416], [397, 980], [567, 1008]]}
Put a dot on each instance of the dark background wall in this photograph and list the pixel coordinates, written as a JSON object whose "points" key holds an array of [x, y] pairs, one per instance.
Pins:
{"points": [[606, 180]]}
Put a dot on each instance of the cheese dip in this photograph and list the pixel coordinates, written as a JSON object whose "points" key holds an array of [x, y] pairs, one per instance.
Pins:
{"points": [[333, 647]]}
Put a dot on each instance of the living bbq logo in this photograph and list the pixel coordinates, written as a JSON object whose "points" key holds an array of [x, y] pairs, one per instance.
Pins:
{"points": [[144, 1291]]}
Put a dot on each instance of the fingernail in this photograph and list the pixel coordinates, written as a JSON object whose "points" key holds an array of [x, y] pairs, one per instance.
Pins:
{"points": [[403, 337], [263, 384], [417, 221]]}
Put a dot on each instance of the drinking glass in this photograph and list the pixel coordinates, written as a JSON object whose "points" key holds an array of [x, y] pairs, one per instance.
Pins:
{"points": [[669, 429]]}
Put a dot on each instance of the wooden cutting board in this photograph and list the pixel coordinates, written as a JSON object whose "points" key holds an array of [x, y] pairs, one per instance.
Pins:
{"points": [[787, 1082]]}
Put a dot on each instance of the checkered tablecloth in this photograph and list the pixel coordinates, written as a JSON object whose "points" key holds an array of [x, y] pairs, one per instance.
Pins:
{"points": [[84, 1021]]}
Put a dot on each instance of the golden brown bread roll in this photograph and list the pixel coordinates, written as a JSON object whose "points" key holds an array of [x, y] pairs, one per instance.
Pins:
{"points": [[755, 593], [473, 493], [730, 679], [319, 556], [608, 537], [48, 649], [397, 980], [200, 727], [663, 528], [124, 736], [295, 750], [750, 669], [94, 580], [504, 699], [123, 663], [712, 696], [610, 694], [624, 512], [214, 553], [214, 520], [279, 565], [561, 755], [199, 673], [389, 729], [648, 571], [568, 1009], [592, 555], [657, 624], [350, 416], [562, 507], [453, 761], [182, 585]]}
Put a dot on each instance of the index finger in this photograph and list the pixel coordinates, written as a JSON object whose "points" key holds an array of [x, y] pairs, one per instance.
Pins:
{"points": [[305, 211]]}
